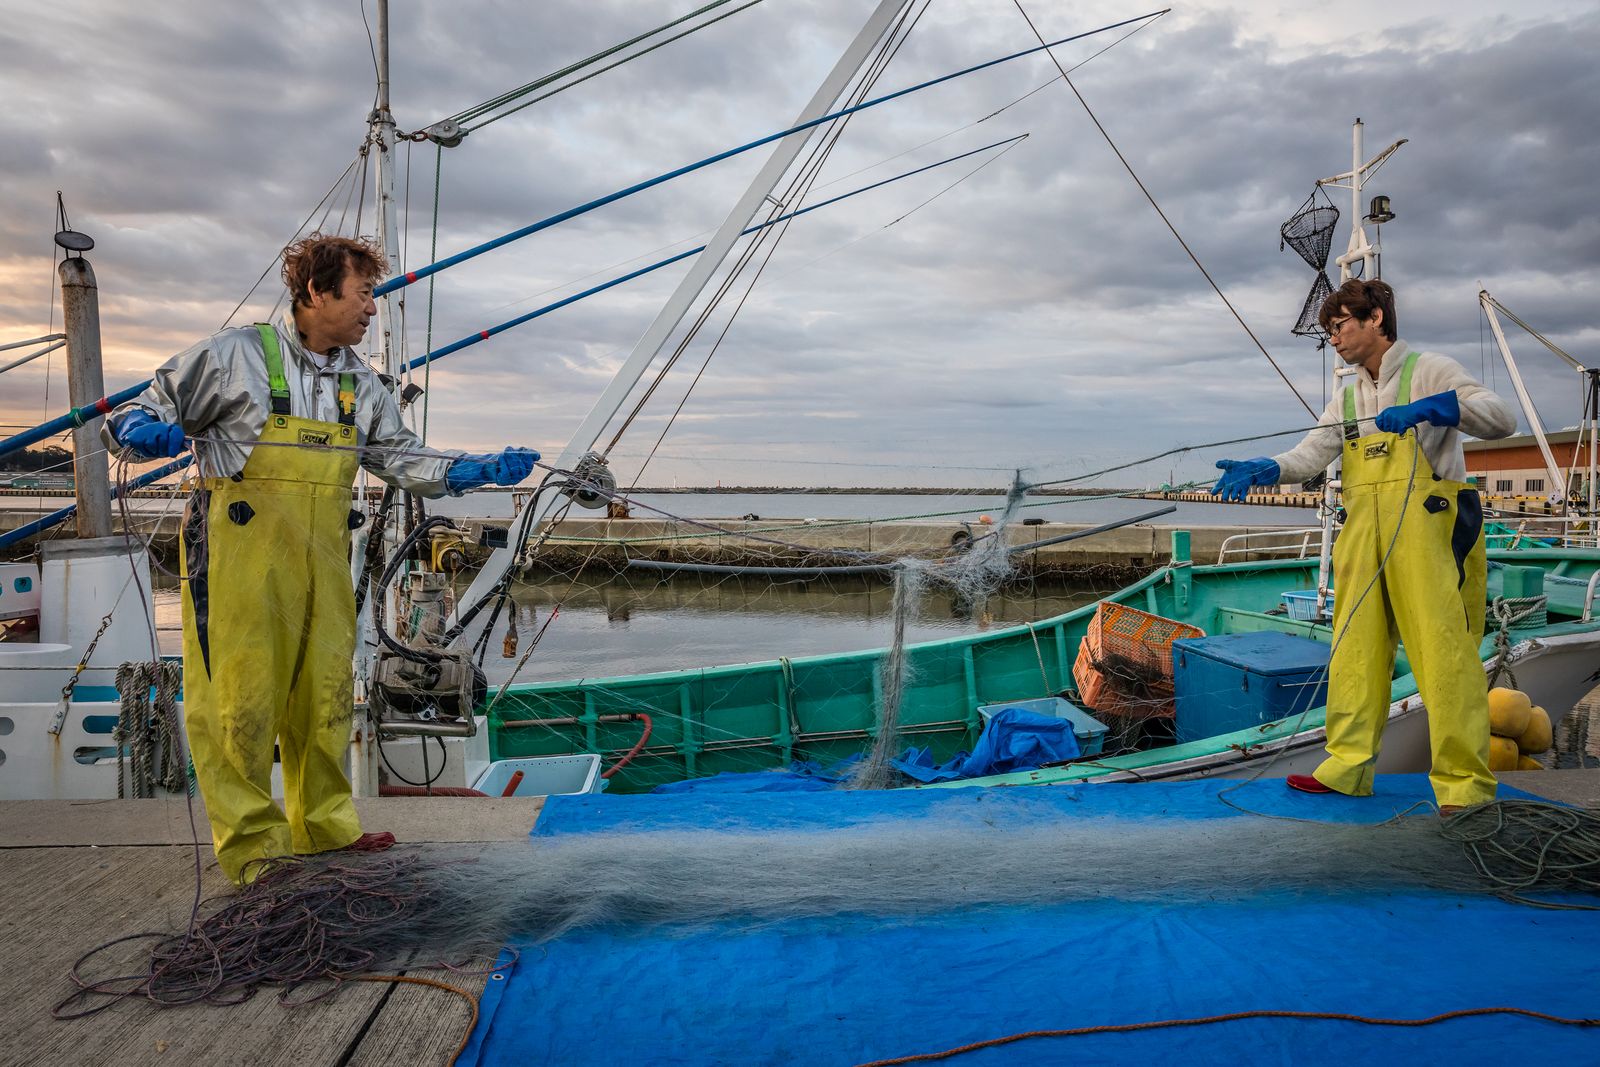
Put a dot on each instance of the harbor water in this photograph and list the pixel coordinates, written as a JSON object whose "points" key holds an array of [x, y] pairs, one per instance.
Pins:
{"points": [[636, 622]]}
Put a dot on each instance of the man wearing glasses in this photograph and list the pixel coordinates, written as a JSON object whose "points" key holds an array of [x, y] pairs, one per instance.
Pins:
{"points": [[1410, 559]]}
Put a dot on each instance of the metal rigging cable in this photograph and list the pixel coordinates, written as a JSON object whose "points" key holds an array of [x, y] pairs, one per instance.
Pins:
{"points": [[798, 188], [1147, 195], [460, 119]]}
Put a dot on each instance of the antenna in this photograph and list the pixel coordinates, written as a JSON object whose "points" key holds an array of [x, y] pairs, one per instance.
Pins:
{"points": [[66, 237]]}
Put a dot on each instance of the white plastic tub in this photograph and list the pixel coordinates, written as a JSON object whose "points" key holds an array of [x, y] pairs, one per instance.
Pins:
{"points": [[544, 776]]}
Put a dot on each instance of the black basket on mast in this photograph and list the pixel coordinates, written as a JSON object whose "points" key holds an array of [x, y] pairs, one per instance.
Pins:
{"points": [[1309, 232]]}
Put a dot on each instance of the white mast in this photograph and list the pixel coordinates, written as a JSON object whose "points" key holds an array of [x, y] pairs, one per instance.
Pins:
{"points": [[1369, 255], [705, 265], [382, 123], [363, 751]]}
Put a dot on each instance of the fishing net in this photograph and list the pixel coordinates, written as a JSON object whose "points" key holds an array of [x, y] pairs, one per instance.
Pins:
{"points": [[1309, 323], [1309, 231], [315, 921]]}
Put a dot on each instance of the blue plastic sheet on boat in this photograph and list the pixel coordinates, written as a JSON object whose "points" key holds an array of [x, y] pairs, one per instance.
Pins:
{"points": [[852, 989], [1015, 739], [803, 776]]}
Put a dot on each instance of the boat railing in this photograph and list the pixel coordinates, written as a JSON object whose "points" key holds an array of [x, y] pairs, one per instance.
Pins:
{"points": [[1300, 543], [1556, 531]]}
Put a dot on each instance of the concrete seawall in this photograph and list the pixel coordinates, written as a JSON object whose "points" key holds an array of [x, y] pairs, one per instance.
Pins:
{"points": [[781, 543]]}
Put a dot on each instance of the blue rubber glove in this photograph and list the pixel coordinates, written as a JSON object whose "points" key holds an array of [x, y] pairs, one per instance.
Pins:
{"points": [[148, 436], [500, 468], [1440, 409], [1238, 475]]}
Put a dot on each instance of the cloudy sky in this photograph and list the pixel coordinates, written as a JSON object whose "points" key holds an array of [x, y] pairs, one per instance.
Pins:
{"points": [[1035, 314]]}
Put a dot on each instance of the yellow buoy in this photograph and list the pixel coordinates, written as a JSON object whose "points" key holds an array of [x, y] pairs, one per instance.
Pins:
{"points": [[1528, 763], [1536, 738], [1508, 711], [1502, 754]]}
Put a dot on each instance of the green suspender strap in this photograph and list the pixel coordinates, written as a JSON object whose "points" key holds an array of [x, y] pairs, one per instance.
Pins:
{"points": [[1402, 396], [279, 385], [275, 379]]}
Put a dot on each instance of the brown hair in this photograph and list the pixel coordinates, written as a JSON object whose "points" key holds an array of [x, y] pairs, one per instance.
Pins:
{"points": [[322, 259], [1359, 297]]}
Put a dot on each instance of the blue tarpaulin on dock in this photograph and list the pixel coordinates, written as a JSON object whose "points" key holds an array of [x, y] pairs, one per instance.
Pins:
{"points": [[852, 989]]}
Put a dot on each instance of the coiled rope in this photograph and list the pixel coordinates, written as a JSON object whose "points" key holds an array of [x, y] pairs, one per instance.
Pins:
{"points": [[147, 735], [1513, 613]]}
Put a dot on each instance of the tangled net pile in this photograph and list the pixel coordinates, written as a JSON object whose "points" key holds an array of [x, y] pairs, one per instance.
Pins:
{"points": [[1526, 846], [306, 925]]}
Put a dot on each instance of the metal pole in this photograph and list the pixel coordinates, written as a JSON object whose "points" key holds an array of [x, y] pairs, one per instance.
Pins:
{"points": [[383, 138], [1594, 435], [80, 313], [717, 249], [1331, 479]]}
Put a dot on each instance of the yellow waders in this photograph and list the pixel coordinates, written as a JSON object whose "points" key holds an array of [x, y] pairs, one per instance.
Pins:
{"points": [[1430, 593], [268, 633]]}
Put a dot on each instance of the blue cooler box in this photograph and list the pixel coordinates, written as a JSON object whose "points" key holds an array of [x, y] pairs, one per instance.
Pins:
{"points": [[1237, 681]]}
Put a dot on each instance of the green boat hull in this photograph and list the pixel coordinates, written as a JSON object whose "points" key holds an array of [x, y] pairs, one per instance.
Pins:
{"points": [[759, 716]]}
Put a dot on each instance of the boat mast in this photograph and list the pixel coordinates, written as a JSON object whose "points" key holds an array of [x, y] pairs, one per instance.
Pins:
{"points": [[383, 139], [1370, 255]]}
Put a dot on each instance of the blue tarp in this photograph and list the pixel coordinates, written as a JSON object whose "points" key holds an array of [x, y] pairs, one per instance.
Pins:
{"points": [[852, 989], [1014, 739]]}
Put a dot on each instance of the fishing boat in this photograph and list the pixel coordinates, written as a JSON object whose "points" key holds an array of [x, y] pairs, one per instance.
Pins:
{"points": [[825, 709]]}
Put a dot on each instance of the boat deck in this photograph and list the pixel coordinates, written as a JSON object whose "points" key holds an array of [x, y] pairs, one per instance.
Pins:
{"points": [[77, 873]]}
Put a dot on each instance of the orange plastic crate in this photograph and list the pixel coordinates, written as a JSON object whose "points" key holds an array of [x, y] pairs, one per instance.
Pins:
{"points": [[1124, 664]]}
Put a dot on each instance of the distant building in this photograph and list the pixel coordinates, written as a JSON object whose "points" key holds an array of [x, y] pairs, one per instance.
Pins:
{"points": [[1511, 472]]}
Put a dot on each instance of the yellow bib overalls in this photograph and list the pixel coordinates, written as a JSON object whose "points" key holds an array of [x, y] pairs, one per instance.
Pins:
{"points": [[268, 634], [1429, 593]]}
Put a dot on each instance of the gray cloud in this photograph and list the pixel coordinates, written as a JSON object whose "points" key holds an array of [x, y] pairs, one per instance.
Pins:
{"points": [[1038, 313]]}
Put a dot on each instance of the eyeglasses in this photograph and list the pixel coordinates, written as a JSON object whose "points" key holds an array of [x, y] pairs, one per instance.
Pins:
{"points": [[1335, 325]]}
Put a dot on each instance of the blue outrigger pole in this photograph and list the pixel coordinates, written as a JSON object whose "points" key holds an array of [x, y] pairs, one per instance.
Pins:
{"points": [[400, 281], [78, 416], [484, 335], [92, 411]]}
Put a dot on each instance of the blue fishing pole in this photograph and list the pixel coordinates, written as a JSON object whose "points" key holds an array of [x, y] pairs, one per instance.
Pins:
{"points": [[400, 281], [543, 224], [72, 419], [55, 518], [100, 407], [484, 335]]}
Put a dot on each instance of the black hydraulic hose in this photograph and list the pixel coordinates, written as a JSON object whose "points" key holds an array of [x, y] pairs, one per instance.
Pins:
{"points": [[517, 537], [415, 655], [374, 557]]}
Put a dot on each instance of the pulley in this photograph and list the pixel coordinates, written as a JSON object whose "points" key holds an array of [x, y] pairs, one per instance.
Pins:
{"points": [[445, 133], [592, 484]]}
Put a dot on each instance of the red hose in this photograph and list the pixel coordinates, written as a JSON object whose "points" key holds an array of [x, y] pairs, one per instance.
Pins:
{"points": [[387, 790], [638, 745]]}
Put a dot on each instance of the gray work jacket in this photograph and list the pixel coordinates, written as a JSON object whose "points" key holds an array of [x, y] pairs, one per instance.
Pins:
{"points": [[219, 388]]}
